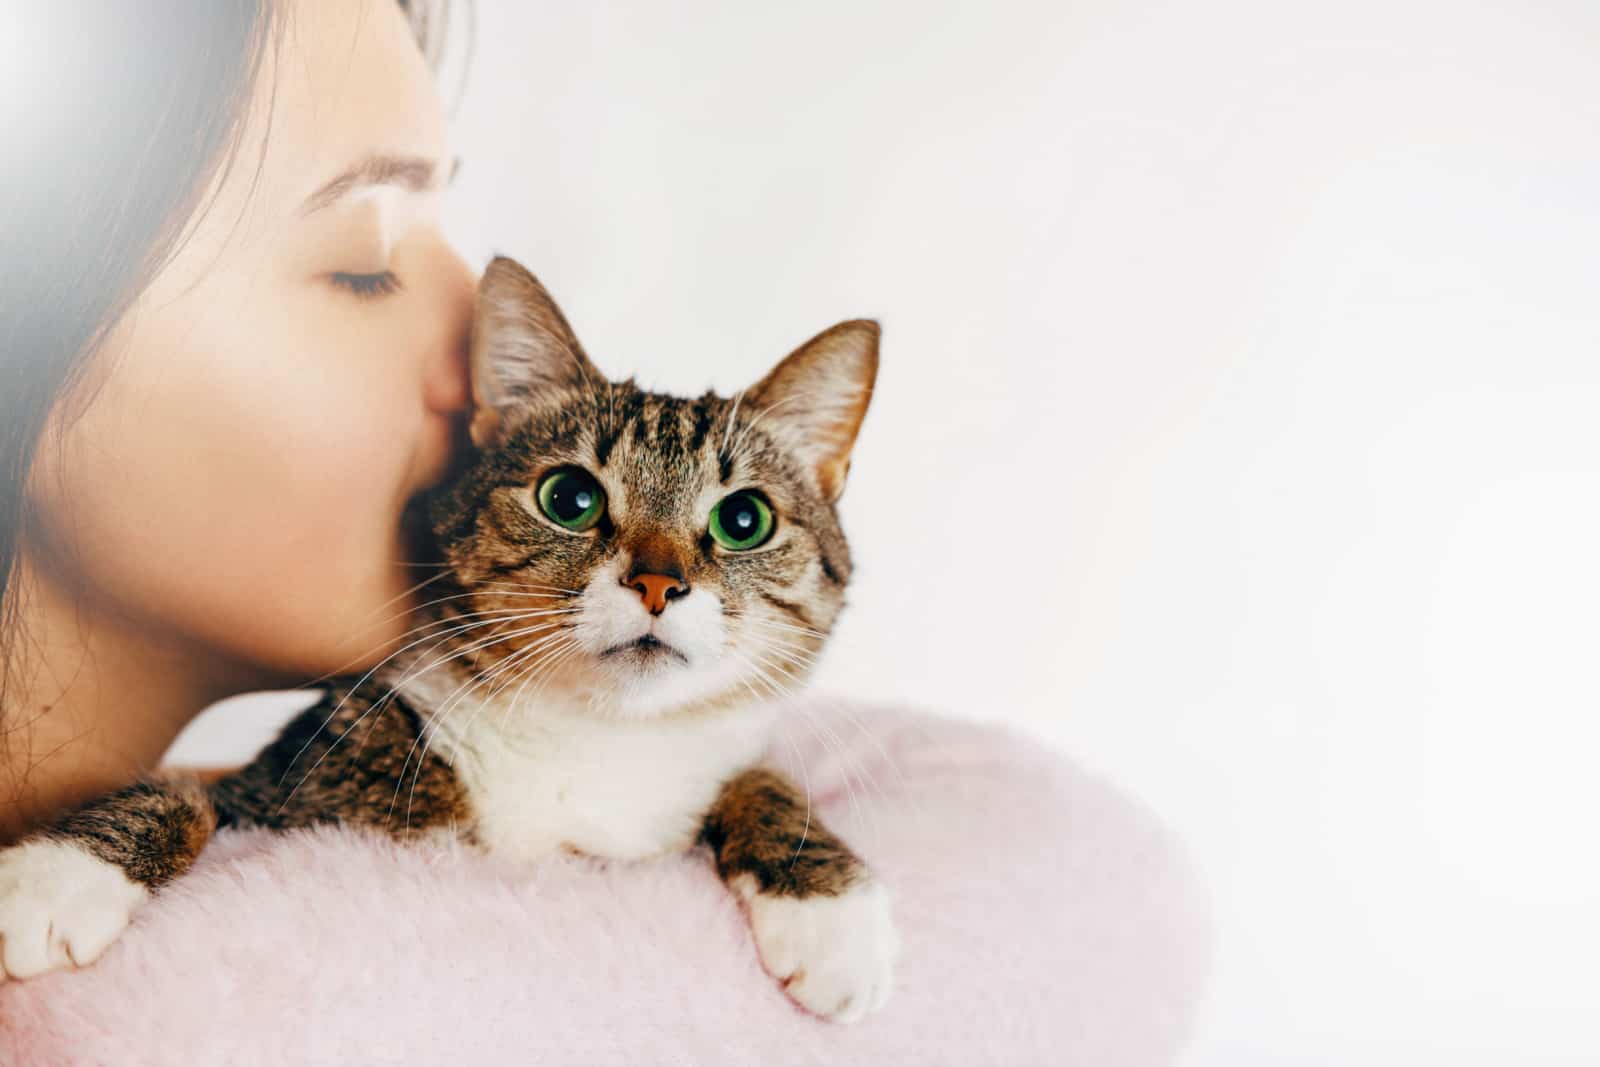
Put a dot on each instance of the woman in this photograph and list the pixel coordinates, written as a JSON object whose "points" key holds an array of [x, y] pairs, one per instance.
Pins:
{"points": [[231, 349], [231, 354]]}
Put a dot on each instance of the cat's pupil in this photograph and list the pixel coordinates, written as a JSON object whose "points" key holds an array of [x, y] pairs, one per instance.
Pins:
{"points": [[569, 501], [572, 498], [744, 519]]}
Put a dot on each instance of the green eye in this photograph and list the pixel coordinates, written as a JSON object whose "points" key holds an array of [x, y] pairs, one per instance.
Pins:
{"points": [[741, 520], [572, 498]]}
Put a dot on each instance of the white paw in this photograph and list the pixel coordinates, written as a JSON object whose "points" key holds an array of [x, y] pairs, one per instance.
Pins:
{"points": [[59, 907], [834, 955]]}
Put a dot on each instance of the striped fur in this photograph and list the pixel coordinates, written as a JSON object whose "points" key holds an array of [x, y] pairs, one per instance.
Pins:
{"points": [[642, 725]]}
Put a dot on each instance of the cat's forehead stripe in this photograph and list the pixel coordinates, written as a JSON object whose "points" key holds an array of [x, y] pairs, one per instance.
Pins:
{"points": [[667, 426], [622, 412], [703, 418], [674, 427]]}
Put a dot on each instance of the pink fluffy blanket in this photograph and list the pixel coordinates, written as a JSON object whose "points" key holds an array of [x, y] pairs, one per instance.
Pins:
{"points": [[1046, 919]]}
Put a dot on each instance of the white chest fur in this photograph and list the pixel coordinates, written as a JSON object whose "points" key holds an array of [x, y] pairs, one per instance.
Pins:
{"points": [[541, 779]]}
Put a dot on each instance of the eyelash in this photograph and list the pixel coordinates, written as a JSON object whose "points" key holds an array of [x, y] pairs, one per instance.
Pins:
{"points": [[366, 286]]}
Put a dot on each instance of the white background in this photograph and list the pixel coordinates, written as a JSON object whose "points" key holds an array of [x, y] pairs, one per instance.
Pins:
{"points": [[1236, 430]]}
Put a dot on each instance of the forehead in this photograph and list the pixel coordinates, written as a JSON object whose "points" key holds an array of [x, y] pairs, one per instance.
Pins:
{"points": [[349, 75], [659, 456], [663, 452], [338, 81]]}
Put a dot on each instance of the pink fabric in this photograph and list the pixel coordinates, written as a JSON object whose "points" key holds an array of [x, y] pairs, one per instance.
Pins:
{"points": [[1047, 919]]}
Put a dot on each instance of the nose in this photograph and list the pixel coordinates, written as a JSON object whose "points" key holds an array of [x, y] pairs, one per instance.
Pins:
{"points": [[446, 388], [657, 589]]}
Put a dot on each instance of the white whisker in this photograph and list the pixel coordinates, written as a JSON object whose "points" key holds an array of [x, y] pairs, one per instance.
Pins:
{"points": [[410, 674], [727, 429], [799, 758], [437, 716]]}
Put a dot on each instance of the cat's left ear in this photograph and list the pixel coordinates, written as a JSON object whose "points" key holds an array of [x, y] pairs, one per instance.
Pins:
{"points": [[816, 398], [521, 347]]}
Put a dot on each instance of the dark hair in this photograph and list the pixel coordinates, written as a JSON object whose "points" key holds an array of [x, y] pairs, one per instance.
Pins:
{"points": [[132, 112]]}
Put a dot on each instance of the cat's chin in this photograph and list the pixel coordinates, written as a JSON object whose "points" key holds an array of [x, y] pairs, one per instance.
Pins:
{"points": [[646, 655], [639, 682]]}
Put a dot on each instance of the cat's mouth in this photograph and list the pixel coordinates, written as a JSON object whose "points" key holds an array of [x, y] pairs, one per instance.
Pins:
{"points": [[645, 650]]}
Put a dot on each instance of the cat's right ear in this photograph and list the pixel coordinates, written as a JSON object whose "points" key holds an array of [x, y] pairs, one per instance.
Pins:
{"points": [[521, 347]]}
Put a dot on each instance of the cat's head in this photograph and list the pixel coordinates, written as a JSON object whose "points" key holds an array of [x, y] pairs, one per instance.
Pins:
{"points": [[638, 553]]}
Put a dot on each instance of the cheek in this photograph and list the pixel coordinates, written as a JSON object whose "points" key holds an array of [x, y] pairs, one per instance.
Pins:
{"points": [[240, 485], [696, 625], [610, 613]]}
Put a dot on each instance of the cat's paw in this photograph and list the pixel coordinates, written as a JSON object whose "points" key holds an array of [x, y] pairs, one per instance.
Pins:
{"points": [[835, 955], [59, 907]]}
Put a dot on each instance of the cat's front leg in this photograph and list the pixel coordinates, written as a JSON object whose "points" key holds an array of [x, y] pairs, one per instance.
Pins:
{"points": [[67, 892], [822, 922]]}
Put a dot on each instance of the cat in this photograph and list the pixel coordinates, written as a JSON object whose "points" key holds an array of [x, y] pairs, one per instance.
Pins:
{"points": [[628, 581]]}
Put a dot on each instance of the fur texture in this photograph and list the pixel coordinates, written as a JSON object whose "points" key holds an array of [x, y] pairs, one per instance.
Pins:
{"points": [[60, 906], [631, 581], [1047, 920]]}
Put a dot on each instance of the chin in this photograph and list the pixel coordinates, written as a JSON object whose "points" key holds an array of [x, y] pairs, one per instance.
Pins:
{"points": [[641, 681]]}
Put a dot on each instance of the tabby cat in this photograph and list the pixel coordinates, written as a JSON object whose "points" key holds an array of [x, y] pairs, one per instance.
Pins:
{"points": [[628, 580]]}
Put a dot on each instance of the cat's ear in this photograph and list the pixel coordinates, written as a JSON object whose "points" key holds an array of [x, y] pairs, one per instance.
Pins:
{"points": [[521, 346], [816, 398]]}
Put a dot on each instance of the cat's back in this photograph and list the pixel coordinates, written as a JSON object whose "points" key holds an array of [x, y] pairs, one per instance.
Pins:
{"points": [[359, 756]]}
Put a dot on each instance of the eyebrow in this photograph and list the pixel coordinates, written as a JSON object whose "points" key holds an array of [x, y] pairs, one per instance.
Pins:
{"points": [[414, 173]]}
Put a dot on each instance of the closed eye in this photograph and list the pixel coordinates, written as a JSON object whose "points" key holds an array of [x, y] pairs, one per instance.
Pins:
{"points": [[366, 285]]}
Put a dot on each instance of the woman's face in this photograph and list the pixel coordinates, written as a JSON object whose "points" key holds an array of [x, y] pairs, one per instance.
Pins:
{"points": [[290, 379]]}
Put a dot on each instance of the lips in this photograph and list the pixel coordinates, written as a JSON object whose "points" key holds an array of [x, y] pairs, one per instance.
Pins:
{"points": [[647, 648]]}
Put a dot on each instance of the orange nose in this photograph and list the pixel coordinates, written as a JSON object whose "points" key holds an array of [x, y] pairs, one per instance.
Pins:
{"points": [[656, 589]]}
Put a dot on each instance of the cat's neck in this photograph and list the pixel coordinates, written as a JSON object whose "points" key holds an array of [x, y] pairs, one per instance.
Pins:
{"points": [[441, 687]]}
